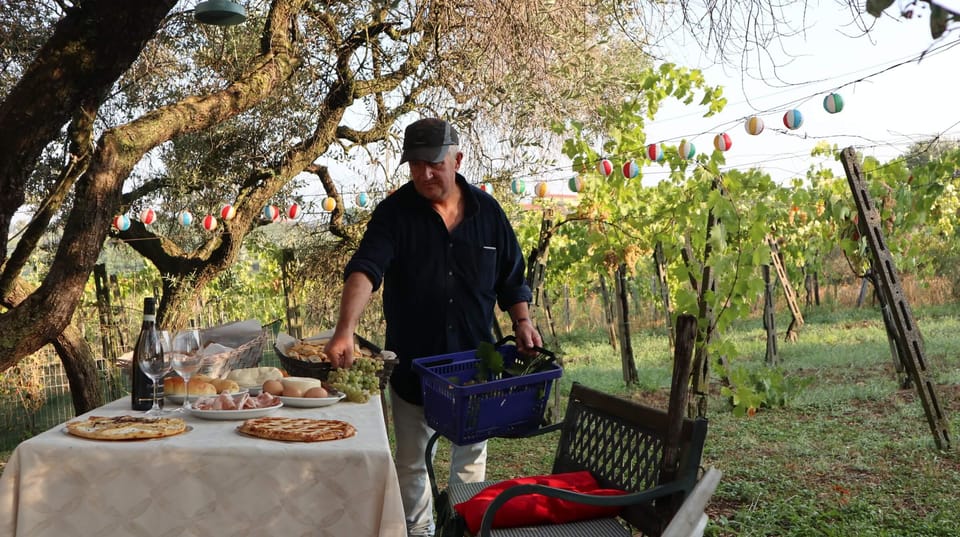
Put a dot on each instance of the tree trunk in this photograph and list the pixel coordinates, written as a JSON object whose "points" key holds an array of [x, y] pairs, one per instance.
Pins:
{"points": [[75, 354], [769, 317], [80, 365]]}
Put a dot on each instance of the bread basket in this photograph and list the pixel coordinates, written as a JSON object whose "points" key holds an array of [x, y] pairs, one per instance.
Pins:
{"points": [[321, 370]]}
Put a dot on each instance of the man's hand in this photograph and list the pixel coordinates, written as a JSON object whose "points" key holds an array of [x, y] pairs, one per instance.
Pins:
{"points": [[527, 336], [340, 350]]}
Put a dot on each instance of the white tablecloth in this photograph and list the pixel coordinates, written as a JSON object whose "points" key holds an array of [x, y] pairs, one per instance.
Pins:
{"points": [[210, 481]]}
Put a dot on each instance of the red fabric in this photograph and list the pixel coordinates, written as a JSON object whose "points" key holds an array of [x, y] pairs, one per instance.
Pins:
{"points": [[536, 509]]}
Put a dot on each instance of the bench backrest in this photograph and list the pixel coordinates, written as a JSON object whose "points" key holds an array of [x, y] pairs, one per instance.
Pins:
{"points": [[621, 443]]}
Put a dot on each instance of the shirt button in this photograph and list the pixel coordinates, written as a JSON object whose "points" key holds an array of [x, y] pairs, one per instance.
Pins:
{"points": [[450, 327], [451, 301], [451, 245], [450, 273]]}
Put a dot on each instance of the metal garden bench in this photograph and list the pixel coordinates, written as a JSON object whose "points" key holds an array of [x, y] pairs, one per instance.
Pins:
{"points": [[622, 444]]}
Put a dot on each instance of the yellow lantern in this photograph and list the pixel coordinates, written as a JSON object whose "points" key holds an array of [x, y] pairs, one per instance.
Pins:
{"points": [[541, 190], [329, 204]]}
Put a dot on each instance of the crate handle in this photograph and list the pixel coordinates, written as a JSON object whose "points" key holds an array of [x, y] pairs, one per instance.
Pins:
{"points": [[513, 339]]}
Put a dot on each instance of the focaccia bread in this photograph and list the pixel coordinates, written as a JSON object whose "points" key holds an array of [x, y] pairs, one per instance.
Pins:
{"points": [[126, 427], [297, 429], [254, 376]]}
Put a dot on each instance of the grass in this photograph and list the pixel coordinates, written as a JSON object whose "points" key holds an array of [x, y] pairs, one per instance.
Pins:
{"points": [[851, 455]]}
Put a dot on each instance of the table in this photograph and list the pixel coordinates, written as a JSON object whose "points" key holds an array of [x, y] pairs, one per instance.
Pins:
{"points": [[208, 481]]}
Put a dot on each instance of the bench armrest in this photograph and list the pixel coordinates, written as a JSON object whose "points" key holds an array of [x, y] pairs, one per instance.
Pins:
{"points": [[647, 496]]}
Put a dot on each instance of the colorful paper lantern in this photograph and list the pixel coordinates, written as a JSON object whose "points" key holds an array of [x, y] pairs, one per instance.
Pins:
{"points": [[121, 222], [833, 103], [209, 222], [227, 212], [630, 169], [575, 184], [293, 211], [362, 199], [329, 204], [793, 119], [518, 187], [605, 167], [687, 150], [271, 213], [148, 216], [722, 142], [655, 152], [754, 125], [185, 218], [487, 187], [541, 190]]}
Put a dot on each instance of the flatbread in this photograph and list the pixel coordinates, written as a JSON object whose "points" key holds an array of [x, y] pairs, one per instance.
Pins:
{"points": [[126, 427], [297, 429]]}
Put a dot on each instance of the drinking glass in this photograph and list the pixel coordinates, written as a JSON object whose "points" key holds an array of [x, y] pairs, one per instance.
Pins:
{"points": [[185, 359], [155, 363]]}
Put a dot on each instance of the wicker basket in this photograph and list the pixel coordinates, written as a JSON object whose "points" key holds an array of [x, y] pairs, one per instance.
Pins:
{"points": [[246, 355], [302, 368], [321, 370]]}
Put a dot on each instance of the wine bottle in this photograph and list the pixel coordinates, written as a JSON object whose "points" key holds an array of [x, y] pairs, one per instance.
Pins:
{"points": [[141, 392]]}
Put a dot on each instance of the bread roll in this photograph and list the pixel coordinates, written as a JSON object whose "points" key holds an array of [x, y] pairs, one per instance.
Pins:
{"points": [[175, 386], [225, 385]]}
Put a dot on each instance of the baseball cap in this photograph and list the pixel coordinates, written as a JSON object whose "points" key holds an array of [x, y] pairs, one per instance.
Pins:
{"points": [[428, 140]]}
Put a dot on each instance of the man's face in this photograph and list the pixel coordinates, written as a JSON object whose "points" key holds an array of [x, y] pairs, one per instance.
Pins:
{"points": [[436, 180]]}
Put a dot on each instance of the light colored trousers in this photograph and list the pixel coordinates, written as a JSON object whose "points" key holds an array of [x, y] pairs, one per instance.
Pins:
{"points": [[468, 464]]}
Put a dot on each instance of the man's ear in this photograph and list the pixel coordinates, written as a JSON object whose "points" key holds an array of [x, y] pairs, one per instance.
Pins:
{"points": [[459, 159]]}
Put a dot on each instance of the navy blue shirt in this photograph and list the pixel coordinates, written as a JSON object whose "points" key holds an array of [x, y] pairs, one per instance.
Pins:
{"points": [[439, 287]]}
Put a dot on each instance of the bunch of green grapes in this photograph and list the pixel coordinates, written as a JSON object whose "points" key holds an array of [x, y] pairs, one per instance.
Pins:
{"points": [[360, 382]]}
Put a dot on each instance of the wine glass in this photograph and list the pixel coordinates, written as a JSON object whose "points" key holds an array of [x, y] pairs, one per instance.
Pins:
{"points": [[155, 363], [185, 359]]}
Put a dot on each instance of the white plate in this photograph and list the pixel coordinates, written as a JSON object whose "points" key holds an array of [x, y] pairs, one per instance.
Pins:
{"points": [[312, 402], [254, 390], [178, 398], [234, 414]]}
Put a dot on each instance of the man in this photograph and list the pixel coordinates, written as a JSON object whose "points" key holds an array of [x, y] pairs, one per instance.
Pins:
{"points": [[445, 254]]}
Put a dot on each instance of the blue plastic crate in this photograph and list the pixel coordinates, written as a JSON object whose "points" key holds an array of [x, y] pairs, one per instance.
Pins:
{"points": [[466, 414]]}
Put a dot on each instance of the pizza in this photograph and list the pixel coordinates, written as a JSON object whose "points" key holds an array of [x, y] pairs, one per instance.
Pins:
{"points": [[297, 429], [126, 427]]}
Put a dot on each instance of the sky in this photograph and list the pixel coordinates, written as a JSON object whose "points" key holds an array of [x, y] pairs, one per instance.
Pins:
{"points": [[892, 98], [887, 106]]}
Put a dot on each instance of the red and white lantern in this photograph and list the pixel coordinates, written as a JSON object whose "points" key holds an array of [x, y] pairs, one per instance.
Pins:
{"points": [[209, 222], [630, 169], [722, 142], [293, 211], [605, 167], [227, 212], [148, 216]]}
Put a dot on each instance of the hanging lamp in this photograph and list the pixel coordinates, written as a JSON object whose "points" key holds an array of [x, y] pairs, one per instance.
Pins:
{"points": [[220, 12]]}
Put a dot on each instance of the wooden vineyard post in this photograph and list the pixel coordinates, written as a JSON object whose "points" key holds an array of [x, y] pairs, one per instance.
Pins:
{"points": [[608, 312], [109, 339], [660, 264], [290, 295], [797, 317], [623, 320], [890, 288], [771, 357], [566, 309], [679, 391]]}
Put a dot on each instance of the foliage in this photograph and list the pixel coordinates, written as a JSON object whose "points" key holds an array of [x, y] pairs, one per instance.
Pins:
{"points": [[766, 387]]}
